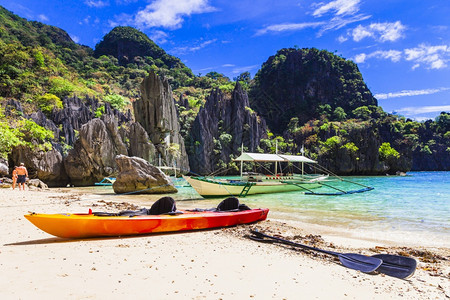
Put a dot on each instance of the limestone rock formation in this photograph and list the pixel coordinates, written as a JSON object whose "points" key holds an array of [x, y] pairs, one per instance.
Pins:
{"points": [[220, 129], [139, 143], [3, 167], [92, 157], [157, 114], [44, 165], [136, 175]]}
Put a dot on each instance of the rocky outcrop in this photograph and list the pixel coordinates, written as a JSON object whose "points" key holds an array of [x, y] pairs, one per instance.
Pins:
{"points": [[44, 165], [92, 157], [4, 170], [77, 112], [139, 143], [138, 176], [297, 82], [157, 114], [220, 129]]}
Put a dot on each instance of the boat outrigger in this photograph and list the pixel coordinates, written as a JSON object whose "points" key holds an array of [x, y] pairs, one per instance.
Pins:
{"points": [[255, 183]]}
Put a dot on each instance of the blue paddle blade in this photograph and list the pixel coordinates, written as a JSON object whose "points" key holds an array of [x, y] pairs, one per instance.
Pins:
{"points": [[397, 266], [366, 264]]}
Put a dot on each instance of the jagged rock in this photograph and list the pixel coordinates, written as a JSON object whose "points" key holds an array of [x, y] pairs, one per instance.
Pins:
{"points": [[44, 165], [4, 169], [92, 157], [220, 129], [157, 114], [136, 175], [37, 183], [140, 145], [77, 112]]}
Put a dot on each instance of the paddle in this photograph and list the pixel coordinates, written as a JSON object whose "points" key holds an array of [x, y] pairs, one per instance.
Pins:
{"points": [[391, 265]]}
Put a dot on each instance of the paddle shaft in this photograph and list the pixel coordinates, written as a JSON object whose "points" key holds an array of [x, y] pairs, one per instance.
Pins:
{"points": [[295, 244]]}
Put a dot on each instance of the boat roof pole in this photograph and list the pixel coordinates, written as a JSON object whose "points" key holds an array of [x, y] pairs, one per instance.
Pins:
{"points": [[242, 162], [276, 152], [302, 151]]}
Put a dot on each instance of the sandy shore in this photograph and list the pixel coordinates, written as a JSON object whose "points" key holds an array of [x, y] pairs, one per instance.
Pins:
{"points": [[211, 264]]}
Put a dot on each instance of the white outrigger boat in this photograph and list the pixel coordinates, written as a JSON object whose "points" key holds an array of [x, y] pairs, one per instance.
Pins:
{"points": [[254, 183]]}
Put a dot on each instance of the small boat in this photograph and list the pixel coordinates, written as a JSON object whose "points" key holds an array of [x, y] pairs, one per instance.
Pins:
{"points": [[107, 181], [88, 225], [254, 183]]}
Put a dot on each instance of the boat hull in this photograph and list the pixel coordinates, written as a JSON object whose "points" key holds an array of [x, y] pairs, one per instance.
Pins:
{"points": [[211, 188], [89, 225]]}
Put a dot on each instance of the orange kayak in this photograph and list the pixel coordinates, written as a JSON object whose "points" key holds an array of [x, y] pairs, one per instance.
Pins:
{"points": [[90, 225]]}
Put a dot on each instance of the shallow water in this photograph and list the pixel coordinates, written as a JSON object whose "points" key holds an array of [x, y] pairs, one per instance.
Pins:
{"points": [[400, 208]]}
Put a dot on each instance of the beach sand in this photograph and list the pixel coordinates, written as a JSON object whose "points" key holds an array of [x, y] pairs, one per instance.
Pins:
{"points": [[208, 264]]}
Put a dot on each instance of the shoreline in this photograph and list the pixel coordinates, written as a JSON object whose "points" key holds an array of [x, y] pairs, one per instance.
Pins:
{"points": [[208, 264]]}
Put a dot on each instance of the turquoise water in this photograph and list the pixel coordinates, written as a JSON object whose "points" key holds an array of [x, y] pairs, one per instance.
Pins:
{"points": [[411, 208]]}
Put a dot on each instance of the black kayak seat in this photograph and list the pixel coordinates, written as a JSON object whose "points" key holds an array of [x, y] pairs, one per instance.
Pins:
{"points": [[231, 204], [164, 205]]}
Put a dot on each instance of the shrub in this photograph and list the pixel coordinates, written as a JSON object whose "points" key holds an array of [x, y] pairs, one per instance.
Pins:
{"points": [[48, 102], [117, 101], [386, 152]]}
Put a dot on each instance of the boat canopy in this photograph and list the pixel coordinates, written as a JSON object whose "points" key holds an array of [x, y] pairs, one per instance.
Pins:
{"points": [[297, 158], [262, 157]]}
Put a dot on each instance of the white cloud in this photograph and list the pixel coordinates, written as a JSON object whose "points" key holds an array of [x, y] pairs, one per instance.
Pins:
{"points": [[43, 18], [409, 93], [381, 32], [339, 22], [434, 57], [287, 27], [393, 55], [417, 110], [228, 65], [338, 7], [170, 13], [244, 69], [75, 38], [187, 49], [158, 36], [431, 57], [97, 4]]}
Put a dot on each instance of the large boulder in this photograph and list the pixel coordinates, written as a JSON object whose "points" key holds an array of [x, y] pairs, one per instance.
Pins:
{"points": [[3, 167], [157, 114], [44, 165], [138, 176], [92, 157]]}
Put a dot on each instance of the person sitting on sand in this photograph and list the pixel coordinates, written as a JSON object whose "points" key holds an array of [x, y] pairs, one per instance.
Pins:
{"points": [[14, 177], [22, 175]]}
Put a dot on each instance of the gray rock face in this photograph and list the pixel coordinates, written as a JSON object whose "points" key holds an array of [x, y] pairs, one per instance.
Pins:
{"points": [[3, 167], [92, 157], [157, 114], [138, 176], [46, 165], [220, 129], [139, 143]]}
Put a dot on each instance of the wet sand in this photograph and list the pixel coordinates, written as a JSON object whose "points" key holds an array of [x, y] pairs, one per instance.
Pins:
{"points": [[208, 264]]}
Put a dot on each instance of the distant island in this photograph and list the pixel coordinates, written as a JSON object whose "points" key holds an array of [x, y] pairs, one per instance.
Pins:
{"points": [[66, 110]]}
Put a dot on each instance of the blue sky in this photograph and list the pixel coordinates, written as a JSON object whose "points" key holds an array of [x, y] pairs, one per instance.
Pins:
{"points": [[402, 47]]}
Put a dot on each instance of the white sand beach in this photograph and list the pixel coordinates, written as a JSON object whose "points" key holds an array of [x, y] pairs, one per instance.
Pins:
{"points": [[208, 264]]}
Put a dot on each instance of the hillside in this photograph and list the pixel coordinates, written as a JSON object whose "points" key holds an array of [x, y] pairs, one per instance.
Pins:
{"points": [[303, 83], [305, 96]]}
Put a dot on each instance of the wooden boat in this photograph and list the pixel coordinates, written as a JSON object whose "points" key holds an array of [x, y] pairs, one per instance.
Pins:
{"points": [[91, 225], [252, 183]]}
